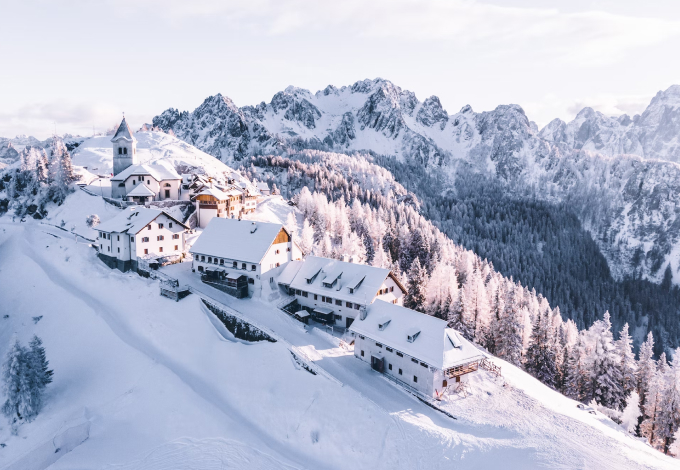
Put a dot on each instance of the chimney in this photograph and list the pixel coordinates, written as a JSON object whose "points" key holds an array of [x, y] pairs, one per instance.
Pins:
{"points": [[345, 257]]}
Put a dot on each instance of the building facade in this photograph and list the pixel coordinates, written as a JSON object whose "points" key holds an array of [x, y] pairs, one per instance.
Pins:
{"points": [[124, 148]]}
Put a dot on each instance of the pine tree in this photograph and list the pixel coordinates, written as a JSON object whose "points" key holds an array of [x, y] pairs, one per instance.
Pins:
{"points": [[669, 409], [652, 406], [540, 358], [646, 369], [16, 382], [577, 379], [306, 240], [417, 280], [627, 365], [606, 372], [39, 363], [509, 341]]}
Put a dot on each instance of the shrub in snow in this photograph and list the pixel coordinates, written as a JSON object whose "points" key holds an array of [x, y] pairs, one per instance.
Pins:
{"points": [[25, 376], [93, 220]]}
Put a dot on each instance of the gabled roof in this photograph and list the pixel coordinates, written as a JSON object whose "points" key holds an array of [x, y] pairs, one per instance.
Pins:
{"points": [[158, 171], [289, 272], [435, 344], [319, 270], [262, 186], [123, 132], [133, 219], [140, 190], [234, 239]]}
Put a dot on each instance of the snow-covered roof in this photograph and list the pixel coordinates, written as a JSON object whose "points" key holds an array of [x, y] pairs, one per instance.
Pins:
{"points": [[133, 219], [140, 190], [434, 343], [262, 186], [214, 192], [316, 271], [157, 171], [123, 132], [234, 239], [289, 272]]}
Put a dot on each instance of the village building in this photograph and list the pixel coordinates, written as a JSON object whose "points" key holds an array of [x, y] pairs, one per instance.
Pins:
{"points": [[139, 233], [163, 181], [231, 248], [334, 291], [419, 351], [263, 188]]}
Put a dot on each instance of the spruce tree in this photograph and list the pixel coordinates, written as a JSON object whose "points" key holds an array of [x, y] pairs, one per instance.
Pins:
{"points": [[669, 409], [509, 341], [16, 384], [652, 406], [606, 372], [540, 358], [627, 365], [417, 280]]}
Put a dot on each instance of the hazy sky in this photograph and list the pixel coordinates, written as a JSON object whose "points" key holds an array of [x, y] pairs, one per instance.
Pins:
{"points": [[79, 63]]}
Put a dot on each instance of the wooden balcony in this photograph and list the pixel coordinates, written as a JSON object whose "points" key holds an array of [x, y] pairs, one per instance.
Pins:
{"points": [[462, 369]]}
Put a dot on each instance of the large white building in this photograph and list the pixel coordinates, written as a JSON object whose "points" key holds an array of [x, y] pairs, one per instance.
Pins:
{"points": [[137, 233], [124, 148], [158, 179], [229, 247], [334, 291], [417, 350]]}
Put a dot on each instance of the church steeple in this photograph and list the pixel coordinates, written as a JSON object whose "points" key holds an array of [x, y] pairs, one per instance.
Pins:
{"points": [[124, 148]]}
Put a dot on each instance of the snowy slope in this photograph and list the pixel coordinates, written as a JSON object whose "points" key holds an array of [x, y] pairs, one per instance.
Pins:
{"points": [[619, 174], [96, 154], [155, 385]]}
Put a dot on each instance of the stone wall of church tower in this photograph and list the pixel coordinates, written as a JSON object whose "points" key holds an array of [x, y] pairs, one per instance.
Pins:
{"points": [[124, 155]]}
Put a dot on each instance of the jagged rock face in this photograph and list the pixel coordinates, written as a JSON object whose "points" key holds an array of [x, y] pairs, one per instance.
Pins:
{"points": [[8, 152], [432, 113], [630, 203], [653, 135]]}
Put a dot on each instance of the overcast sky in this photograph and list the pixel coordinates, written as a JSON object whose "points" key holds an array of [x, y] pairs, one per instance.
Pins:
{"points": [[79, 63]]}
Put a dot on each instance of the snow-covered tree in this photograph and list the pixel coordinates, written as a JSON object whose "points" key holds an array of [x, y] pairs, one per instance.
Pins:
{"points": [[92, 221], [627, 364], [16, 384], [41, 375], [577, 383], [646, 369], [306, 239], [540, 358], [631, 413], [606, 372], [652, 406], [291, 223], [669, 409], [417, 280], [508, 340]]}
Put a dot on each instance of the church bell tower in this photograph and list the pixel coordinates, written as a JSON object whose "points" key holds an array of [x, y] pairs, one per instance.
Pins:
{"points": [[124, 148]]}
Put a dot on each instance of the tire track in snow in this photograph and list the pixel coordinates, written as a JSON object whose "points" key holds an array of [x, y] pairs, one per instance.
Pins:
{"points": [[194, 382]]}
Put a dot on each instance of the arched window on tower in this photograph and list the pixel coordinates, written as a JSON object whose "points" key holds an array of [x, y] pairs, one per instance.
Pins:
{"points": [[120, 151], [125, 150]]}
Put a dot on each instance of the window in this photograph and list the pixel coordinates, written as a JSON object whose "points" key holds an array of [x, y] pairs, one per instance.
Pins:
{"points": [[145, 239], [415, 379], [167, 185], [176, 237], [146, 251], [140, 178], [399, 354], [288, 249], [101, 245], [167, 193], [423, 364], [362, 353], [118, 237], [253, 268], [356, 306], [221, 261], [251, 280], [160, 226], [148, 181], [298, 292], [378, 345], [243, 266], [277, 265], [148, 226], [235, 264], [413, 359], [305, 294], [391, 288], [169, 224], [209, 259], [316, 297], [200, 268], [122, 185], [118, 250], [348, 304], [132, 240], [214, 260], [276, 252], [159, 238], [389, 366], [176, 247], [360, 336], [389, 349], [160, 249], [124, 150], [120, 150], [202, 258], [338, 317], [108, 248], [133, 182], [338, 302], [329, 300], [399, 371]]}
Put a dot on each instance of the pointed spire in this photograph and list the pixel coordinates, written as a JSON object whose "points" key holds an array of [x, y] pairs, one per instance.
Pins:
{"points": [[123, 132]]}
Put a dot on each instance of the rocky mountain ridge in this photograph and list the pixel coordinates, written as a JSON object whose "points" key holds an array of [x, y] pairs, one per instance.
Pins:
{"points": [[619, 174]]}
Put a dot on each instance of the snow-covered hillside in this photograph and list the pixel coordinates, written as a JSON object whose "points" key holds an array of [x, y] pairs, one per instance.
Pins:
{"points": [[96, 154], [142, 382], [630, 203]]}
